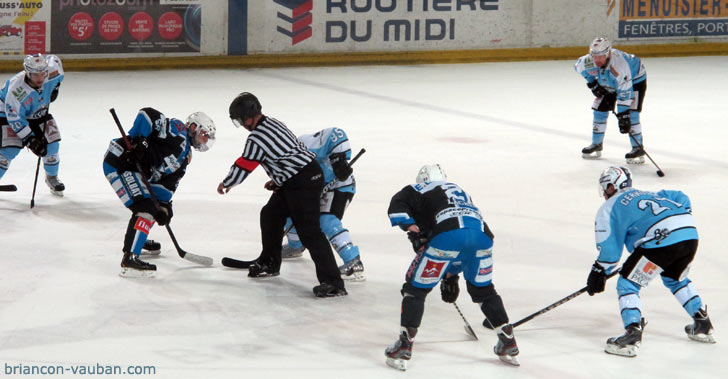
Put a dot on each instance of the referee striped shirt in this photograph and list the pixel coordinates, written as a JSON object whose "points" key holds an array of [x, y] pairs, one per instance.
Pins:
{"points": [[272, 145]]}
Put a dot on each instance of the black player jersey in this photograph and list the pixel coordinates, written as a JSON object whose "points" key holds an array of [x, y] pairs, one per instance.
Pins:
{"points": [[435, 207], [165, 159]]}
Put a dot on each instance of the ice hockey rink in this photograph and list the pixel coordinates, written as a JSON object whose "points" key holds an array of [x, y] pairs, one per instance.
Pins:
{"points": [[509, 133]]}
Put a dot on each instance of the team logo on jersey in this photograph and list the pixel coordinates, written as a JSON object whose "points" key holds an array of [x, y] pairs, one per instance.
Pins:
{"points": [[296, 19], [432, 269]]}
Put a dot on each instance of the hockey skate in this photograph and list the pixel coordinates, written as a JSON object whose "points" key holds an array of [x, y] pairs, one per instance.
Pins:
{"points": [[151, 247], [353, 271], [133, 267], [592, 151], [635, 156], [57, 187], [261, 270], [628, 343], [328, 290], [506, 348], [702, 329], [401, 350], [288, 252]]}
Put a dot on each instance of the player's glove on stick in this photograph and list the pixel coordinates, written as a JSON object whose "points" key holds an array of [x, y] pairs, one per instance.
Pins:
{"points": [[38, 145], [596, 280], [449, 288], [419, 241], [164, 214], [340, 166], [625, 125], [596, 89]]}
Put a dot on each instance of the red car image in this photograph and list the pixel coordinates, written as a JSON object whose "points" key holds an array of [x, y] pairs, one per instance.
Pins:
{"points": [[10, 30]]}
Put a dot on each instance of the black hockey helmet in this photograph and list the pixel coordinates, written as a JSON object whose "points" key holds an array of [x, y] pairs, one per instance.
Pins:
{"points": [[244, 106]]}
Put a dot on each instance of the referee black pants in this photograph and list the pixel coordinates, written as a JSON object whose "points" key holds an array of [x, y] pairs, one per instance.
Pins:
{"points": [[299, 199]]}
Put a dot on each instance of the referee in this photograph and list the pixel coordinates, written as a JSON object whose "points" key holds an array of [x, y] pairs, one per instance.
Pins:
{"points": [[296, 183]]}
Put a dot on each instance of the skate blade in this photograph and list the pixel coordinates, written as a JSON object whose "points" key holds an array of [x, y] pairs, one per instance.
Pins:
{"points": [[133, 273], [510, 359], [292, 255], [638, 160], [627, 351], [355, 277], [705, 338], [399, 364], [151, 252], [57, 193], [594, 155], [263, 275]]}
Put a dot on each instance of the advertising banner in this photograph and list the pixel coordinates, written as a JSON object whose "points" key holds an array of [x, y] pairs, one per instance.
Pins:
{"points": [[125, 26], [660, 19], [291, 26], [23, 26]]}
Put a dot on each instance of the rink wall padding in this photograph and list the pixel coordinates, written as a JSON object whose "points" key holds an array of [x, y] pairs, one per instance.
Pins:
{"points": [[369, 58]]}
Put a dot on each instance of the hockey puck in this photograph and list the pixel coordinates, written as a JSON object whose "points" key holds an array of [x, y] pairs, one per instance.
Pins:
{"points": [[660, 173]]}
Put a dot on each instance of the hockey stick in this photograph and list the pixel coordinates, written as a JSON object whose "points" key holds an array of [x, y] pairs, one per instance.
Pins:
{"points": [[660, 173], [468, 328], [8, 188], [199, 259], [556, 304], [237, 263], [35, 184]]}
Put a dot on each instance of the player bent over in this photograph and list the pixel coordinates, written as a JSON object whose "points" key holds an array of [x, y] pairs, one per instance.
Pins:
{"points": [[24, 117], [659, 232], [449, 236], [333, 152], [615, 78], [162, 147]]}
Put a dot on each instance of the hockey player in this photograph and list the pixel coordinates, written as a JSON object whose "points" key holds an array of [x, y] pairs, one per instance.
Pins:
{"points": [[449, 236], [161, 146], [296, 182], [24, 117], [333, 151], [659, 232], [614, 77]]}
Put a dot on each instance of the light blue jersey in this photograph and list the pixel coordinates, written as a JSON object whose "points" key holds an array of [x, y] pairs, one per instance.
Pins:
{"points": [[621, 73], [19, 102], [324, 143], [635, 218]]}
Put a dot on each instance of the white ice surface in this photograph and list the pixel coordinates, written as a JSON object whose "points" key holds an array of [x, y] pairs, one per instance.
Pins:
{"points": [[509, 133]]}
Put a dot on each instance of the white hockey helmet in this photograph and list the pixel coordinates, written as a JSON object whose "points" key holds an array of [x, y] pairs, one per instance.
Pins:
{"points": [[35, 64], [204, 135], [619, 177], [600, 47], [431, 173]]}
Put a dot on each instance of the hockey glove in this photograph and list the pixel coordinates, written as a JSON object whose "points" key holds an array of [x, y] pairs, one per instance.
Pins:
{"points": [[449, 288], [419, 241], [625, 125], [340, 166], [39, 146], [596, 280], [164, 214], [596, 89]]}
